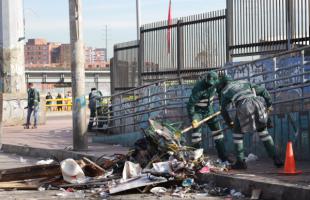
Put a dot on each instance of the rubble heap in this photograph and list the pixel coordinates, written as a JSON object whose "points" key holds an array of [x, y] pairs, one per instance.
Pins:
{"points": [[158, 163]]}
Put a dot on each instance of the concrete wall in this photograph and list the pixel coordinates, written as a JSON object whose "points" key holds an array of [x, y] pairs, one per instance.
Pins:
{"points": [[14, 113], [12, 46]]}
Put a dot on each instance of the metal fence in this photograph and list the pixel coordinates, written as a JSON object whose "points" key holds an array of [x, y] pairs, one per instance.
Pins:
{"points": [[267, 26], [124, 69], [204, 41], [197, 42], [285, 75]]}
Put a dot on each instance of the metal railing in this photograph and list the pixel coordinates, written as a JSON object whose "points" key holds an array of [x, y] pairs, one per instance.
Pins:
{"points": [[286, 75], [280, 74]]}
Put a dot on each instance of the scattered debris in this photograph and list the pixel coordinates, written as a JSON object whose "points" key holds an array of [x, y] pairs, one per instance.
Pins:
{"points": [[188, 182], [234, 193], [138, 182], [72, 172], [204, 170], [131, 170], [159, 191], [158, 164], [251, 157], [22, 160], [30, 172], [91, 169], [71, 194], [180, 192], [161, 167], [256, 194], [45, 162]]}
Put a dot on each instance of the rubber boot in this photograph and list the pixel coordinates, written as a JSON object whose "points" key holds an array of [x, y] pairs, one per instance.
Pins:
{"points": [[221, 152], [240, 163], [197, 145], [271, 150]]}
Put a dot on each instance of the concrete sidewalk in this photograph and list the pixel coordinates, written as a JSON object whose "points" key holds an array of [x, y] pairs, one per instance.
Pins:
{"points": [[53, 137], [263, 175]]}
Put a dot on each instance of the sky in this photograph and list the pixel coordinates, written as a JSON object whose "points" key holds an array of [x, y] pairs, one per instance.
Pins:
{"points": [[49, 19]]}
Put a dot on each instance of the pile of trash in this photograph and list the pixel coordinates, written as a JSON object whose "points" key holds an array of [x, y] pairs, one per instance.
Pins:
{"points": [[158, 164]]}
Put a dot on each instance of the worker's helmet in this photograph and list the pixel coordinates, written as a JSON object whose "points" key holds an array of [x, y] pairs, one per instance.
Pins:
{"points": [[211, 78], [223, 80]]}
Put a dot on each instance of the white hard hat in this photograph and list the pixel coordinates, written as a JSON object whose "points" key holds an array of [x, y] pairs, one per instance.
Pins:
{"points": [[71, 171]]}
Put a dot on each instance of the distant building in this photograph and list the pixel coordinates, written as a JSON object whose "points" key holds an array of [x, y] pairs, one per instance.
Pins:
{"points": [[37, 53], [40, 53], [99, 58], [65, 55]]}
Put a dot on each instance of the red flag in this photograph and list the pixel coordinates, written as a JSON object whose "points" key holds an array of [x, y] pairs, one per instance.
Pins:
{"points": [[169, 27]]}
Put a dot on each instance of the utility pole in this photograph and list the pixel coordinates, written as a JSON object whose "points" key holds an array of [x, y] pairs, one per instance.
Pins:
{"points": [[106, 43], [138, 10], [80, 139]]}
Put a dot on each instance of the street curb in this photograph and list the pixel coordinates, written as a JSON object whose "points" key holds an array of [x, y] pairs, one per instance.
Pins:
{"points": [[60, 154], [271, 189]]}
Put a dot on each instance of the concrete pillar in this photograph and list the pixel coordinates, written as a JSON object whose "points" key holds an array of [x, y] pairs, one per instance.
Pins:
{"points": [[12, 39]]}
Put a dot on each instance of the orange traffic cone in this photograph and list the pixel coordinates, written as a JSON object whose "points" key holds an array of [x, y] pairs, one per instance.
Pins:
{"points": [[290, 167]]}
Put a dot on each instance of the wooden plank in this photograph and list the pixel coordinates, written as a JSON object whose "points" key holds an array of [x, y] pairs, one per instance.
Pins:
{"points": [[18, 186], [92, 169], [30, 172]]}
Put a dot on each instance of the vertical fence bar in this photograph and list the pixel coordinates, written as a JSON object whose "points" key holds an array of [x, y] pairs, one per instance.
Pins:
{"points": [[141, 57], [288, 24], [180, 49]]}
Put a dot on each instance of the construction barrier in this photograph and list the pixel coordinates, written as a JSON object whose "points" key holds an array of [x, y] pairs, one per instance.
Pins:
{"points": [[66, 104]]}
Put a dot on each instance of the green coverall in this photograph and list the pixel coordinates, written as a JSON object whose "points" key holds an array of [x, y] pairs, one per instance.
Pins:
{"points": [[251, 115], [200, 106], [96, 108]]}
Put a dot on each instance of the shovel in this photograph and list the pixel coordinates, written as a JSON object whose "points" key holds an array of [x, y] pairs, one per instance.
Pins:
{"points": [[179, 133]]}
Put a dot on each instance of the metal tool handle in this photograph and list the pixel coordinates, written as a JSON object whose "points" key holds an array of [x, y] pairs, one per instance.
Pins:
{"points": [[201, 122]]}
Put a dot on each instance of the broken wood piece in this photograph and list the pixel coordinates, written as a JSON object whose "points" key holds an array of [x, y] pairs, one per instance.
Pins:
{"points": [[92, 169], [19, 185], [30, 172], [84, 185]]}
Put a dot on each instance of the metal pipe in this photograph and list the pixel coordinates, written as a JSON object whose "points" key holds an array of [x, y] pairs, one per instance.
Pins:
{"points": [[138, 18]]}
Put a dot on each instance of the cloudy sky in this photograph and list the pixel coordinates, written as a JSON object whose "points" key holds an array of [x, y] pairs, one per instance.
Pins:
{"points": [[50, 18]]}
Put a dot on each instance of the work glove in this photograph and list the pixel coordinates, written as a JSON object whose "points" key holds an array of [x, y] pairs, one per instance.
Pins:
{"points": [[269, 109], [195, 123], [231, 125], [269, 123]]}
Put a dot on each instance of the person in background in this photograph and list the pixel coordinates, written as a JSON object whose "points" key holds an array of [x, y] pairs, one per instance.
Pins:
{"points": [[48, 103], [95, 106], [33, 105], [69, 100], [59, 102]]}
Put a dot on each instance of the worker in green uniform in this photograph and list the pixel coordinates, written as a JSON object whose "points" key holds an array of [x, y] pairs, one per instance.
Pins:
{"points": [[96, 108], [251, 115], [200, 106]]}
